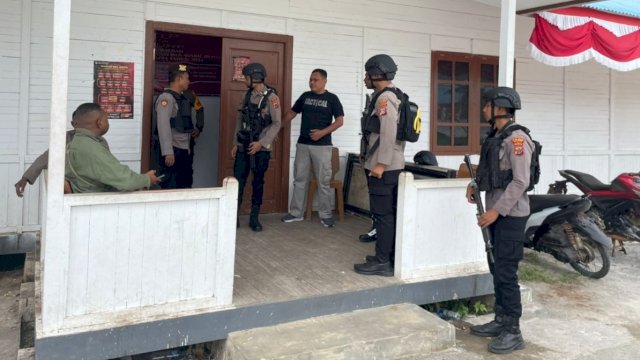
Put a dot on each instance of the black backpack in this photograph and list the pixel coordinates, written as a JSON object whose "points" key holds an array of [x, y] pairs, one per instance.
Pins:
{"points": [[534, 176], [409, 120]]}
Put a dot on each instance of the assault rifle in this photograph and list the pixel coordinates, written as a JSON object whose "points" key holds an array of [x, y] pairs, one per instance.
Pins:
{"points": [[478, 199], [364, 141]]}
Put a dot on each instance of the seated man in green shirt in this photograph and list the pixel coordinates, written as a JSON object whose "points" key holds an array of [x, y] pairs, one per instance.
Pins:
{"points": [[90, 166]]}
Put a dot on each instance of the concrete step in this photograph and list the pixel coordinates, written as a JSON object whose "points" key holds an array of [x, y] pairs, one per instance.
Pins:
{"points": [[26, 354], [27, 315], [29, 267], [403, 331], [450, 354]]}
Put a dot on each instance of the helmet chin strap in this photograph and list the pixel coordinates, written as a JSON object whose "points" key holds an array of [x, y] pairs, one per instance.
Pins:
{"points": [[492, 121]]}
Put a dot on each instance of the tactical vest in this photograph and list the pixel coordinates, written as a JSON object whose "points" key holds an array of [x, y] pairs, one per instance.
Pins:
{"points": [[182, 121], [253, 120], [369, 124], [489, 176]]}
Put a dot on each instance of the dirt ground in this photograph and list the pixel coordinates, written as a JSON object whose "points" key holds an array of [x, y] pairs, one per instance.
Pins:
{"points": [[9, 321], [571, 316]]}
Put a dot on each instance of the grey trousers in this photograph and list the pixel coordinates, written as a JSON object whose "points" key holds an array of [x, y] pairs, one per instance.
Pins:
{"points": [[318, 159]]}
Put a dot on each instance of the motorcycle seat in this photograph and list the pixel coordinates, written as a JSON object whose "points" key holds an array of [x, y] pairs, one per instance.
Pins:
{"points": [[588, 180], [541, 202]]}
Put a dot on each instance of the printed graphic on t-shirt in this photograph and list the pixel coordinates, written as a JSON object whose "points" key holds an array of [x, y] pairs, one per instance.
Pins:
{"points": [[315, 102]]}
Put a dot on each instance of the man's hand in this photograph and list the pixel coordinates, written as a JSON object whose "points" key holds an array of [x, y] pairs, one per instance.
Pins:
{"points": [[20, 185], [254, 147], [470, 198], [377, 171], [195, 133], [153, 179], [316, 134], [488, 218], [169, 160], [234, 150]]}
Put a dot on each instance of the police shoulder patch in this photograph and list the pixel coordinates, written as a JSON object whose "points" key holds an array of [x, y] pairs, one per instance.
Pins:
{"points": [[518, 146], [164, 102], [275, 103], [382, 106]]}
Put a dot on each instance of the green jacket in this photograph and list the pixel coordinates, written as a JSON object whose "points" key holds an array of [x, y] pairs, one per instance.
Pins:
{"points": [[90, 167]]}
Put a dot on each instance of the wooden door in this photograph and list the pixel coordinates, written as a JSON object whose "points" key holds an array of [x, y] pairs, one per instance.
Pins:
{"points": [[272, 56]]}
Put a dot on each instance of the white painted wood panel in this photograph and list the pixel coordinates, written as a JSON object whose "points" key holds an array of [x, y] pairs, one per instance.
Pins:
{"points": [[625, 163], [549, 166], [626, 110], [341, 56], [10, 211], [596, 165], [432, 241], [587, 106], [541, 89], [254, 22], [183, 14], [131, 253], [412, 54], [10, 54]]}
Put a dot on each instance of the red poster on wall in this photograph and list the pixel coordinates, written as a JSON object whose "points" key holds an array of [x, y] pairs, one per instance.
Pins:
{"points": [[113, 88], [239, 62]]}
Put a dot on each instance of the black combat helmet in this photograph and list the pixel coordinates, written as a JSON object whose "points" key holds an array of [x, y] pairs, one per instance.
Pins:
{"points": [[256, 71], [502, 96], [381, 64]]}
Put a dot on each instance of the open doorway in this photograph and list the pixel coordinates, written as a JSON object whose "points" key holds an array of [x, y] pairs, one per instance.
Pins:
{"points": [[215, 55], [203, 56]]}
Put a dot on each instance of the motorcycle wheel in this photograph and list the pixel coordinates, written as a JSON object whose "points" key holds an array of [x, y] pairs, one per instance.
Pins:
{"points": [[594, 259]]}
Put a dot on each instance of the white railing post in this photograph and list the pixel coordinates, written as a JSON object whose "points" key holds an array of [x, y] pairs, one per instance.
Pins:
{"points": [[406, 226], [225, 257], [507, 42], [54, 281]]}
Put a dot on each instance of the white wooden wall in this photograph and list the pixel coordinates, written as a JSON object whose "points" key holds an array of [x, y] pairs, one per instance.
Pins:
{"points": [[129, 256], [434, 240], [585, 115]]}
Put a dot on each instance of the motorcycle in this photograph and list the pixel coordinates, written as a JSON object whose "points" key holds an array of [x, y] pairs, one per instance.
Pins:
{"points": [[559, 226], [616, 206]]}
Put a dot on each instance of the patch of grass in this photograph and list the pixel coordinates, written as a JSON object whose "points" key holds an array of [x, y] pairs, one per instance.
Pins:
{"points": [[464, 307], [536, 269]]}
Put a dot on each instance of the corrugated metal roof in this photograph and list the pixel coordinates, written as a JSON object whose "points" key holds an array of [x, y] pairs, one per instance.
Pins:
{"points": [[620, 7]]}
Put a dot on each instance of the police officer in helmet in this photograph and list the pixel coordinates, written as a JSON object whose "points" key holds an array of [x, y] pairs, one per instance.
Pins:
{"points": [[257, 125], [504, 173], [175, 130], [383, 158]]}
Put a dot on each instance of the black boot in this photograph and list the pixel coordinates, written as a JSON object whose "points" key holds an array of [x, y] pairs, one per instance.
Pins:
{"points": [[374, 267], [254, 223], [491, 329], [510, 338]]}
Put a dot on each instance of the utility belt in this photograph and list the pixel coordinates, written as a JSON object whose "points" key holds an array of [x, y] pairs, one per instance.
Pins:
{"points": [[246, 137]]}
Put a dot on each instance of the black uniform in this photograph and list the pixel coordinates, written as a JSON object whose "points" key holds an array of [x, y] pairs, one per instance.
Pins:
{"points": [[259, 119], [504, 172], [382, 147]]}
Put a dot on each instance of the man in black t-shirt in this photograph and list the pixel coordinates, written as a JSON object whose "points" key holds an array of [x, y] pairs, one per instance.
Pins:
{"points": [[319, 108]]}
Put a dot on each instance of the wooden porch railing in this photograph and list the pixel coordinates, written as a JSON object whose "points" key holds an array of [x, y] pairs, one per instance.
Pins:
{"points": [[132, 256]]}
